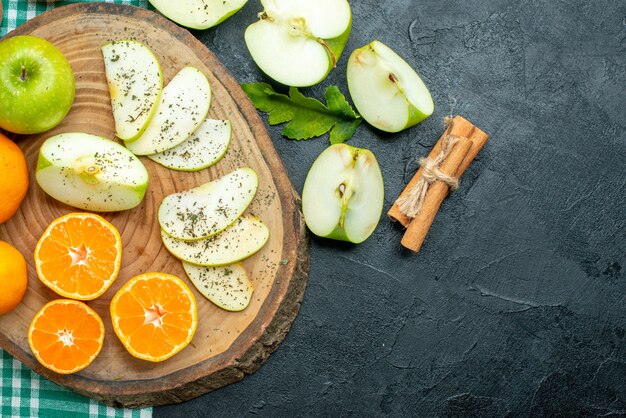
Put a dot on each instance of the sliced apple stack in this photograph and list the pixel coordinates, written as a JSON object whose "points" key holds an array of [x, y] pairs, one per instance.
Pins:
{"points": [[166, 124], [204, 227]]}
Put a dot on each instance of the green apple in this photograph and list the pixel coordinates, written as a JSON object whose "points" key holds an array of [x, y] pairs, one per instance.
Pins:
{"points": [[298, 42], [135, 83], [227, 287], [36, 85], [343, 194], [183, 106], [91, 173], [198, 14], [386, 91], [205, 147], [245, 237], [210, 208]]}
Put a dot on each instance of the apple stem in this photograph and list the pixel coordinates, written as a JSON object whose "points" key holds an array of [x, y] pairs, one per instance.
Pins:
{"points": [[23, 75], [330, 51]]}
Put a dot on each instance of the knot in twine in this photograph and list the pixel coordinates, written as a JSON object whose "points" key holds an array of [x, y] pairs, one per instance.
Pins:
{"points": [[411, 204]]}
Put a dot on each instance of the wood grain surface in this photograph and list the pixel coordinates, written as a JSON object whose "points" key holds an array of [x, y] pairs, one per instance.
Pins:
{"points": [[227, 346]]}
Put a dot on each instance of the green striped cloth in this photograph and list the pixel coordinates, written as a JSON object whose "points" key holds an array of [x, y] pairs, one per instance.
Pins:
{"points": [[17, 12], [23, 393]]}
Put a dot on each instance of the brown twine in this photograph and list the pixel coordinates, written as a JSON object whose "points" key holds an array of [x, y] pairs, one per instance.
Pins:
{"points": [[411, 203]]}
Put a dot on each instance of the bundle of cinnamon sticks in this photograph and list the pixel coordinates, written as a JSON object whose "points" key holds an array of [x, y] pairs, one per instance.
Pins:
{"points": [[449, 158]]}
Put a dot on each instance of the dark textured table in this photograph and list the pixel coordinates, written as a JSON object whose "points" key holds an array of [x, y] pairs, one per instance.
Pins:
{"points": [[516, 305]]}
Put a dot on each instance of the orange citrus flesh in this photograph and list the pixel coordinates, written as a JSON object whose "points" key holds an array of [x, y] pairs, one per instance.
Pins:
{"points": [[154, 315], [66, 335], [14, 175], [79, 256]]}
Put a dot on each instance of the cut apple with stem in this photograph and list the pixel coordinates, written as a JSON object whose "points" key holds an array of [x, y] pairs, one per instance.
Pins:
{"points": [[183, 106], [91, 173], [198, 14], [210, 208], [227, 287], [205, 147], [343, 194], [135, 83], [386, 91], [245, 237], [298, 42]]}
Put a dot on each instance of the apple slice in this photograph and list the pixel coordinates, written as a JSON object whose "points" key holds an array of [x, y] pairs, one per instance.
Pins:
{"points": [[343, 194], [205, 147], [208, 209], [227, 287], [386, 91], [239, 241], [198, 14], [135, 83], [183, 106], [91, 173], [298, 42]]}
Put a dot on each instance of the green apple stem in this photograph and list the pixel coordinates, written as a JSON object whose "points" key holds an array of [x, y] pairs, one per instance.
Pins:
{"points": [[23, 75]]}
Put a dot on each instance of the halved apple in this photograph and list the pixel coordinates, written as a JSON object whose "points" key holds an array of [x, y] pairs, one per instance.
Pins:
{"points": [[386, 91], [298, 42], [208, 209], [183, 106], [205, 147], [227, 287], [198, 14], [135, 84], [91, 173], [343, 194], [245, 237]]}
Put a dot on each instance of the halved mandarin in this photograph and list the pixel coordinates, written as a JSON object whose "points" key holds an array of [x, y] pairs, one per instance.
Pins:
{"points": [[79, 256], [66, 335], [154, 315]]}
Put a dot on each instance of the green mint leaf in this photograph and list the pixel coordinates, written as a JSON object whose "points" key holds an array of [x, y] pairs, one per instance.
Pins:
{"points": [[306, 117]]}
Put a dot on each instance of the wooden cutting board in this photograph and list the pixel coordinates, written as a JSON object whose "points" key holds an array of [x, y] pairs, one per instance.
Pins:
{"points": [[227, 346]]}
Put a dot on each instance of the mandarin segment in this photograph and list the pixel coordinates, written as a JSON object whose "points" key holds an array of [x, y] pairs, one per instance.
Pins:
{"points": [[66, 336], [154, 315], [79, 256]]}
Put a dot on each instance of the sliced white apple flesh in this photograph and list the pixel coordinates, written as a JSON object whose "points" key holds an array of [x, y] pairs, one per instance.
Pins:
{"points": [[205, 147], [198, 14], [298, 42], [135, 84], [208, 209], [386, 91], [91, 173], [183, 106], [343, 194], [227, 287], [239, 241]]}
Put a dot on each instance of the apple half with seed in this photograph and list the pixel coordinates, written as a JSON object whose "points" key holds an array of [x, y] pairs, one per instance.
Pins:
{"points": [[386, 91], [198, 14], [91, 173], [135, 83], [227, 287], [343, 194], [183, 106], [244, 238], [210, 208], [205, 147], [298, 42]]}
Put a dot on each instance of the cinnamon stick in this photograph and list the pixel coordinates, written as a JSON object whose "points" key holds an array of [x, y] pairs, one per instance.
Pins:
{"points": [[437, 192], [460, 127]]}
